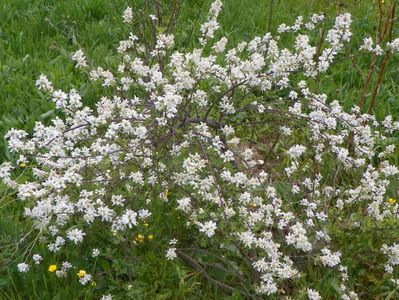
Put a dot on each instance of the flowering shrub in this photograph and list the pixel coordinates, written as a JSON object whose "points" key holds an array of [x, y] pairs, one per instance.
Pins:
{"points": [[237, 144]]}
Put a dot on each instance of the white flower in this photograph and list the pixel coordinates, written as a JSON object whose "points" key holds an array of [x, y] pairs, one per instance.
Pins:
{"points": [[392, 252], [208, 228], [330, 259], [80, 59], [394, 45], [128, 219], [208, 28], [144, 214], [95, 253], [56, 246], [171, 254], [85, 279], [298, 238], [296, 151], [75, 235], [247, 238], [44, 84], [127, 15], [60, 98], [65, 266], [313, 295], [367, 44], [221, 45], [23, 267], [37, 258], [184, 204]]}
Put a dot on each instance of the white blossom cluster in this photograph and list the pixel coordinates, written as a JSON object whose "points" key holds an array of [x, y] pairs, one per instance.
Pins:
{"points": [[180, 129], [392, 252], [369, 46]]}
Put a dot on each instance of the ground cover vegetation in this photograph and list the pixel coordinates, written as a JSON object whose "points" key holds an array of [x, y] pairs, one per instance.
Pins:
{"points": [[199, 150]]}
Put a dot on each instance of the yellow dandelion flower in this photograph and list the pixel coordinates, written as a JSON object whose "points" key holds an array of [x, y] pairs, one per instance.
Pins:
{"points": [[150, 237], [81, 273], [166, 193], [93, 283], [391, 201], [145, 224], [139, 238], [254, 204], [52, 268], [22, 164]]}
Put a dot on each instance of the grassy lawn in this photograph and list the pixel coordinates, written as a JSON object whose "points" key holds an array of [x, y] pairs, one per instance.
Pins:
{"points": [[38, 37]]}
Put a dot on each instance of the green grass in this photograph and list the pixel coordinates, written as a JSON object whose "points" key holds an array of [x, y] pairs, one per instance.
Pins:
{"points": [[37, 36]]}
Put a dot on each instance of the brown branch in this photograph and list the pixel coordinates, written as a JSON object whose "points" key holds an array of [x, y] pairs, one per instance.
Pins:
{"points": [[205, 274], [389, 27]]}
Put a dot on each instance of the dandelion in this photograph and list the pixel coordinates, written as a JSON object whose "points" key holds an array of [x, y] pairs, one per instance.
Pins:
{"points": [[52, 268], [165, 193], [139, 238], [391, 201], [150, 237], [81, 273]]}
